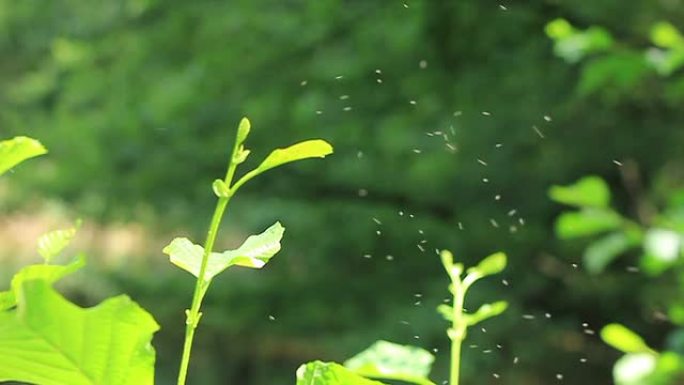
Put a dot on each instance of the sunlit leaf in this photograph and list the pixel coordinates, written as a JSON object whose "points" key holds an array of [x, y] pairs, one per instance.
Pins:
{"points": [[485, 311], [666, 35], [47, 340], [446, 311], [16, 150], [390, 361], [329, 373], [559, 29], [255, 252], [588, 191], [47, 273], [623, 339], [52, 243], [220, 188], [243, 130], [316, 148], [586, 222], [492, 264], [602, 252], [634, 369]]}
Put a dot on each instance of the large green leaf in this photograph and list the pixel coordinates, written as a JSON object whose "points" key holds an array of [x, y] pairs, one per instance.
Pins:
{"points": [[254, 253], [316, 148], [47, 340], [387, 360], [329, 373], [586, 222], [16, 150], [589, 191]]}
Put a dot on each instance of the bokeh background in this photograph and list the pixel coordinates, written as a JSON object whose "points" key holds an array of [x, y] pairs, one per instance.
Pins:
{"points": [[450, 121]]}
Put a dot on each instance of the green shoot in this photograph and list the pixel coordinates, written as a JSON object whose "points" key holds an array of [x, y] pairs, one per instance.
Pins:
{"points": [[460, 321], [257, 250]]}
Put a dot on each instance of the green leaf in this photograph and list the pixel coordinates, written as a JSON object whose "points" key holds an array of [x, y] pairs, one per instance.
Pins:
{"points": [[255, 252], [316, 148], [446, 311], [47, 273], [16, 150], [559, 29], [635, 369], [623, 339], [52, 243], [329, 373], [243, 131], [601, 253], [485, 311], [491, 265], [586, 222], [390, 361], [48, 340], [666, 35], [220, 188], [589, 191]]}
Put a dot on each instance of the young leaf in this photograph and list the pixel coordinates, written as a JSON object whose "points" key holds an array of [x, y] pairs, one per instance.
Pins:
{"points": [[316, 148], [255, 252], [491, 265], [386, 360], [602, 252], [446, 311], [329, 373], [623, 339], [16, 150], [220, 188], [52, 243], [47, 340], [586, 222], [591, 191], [243, 131], [485, 311]]}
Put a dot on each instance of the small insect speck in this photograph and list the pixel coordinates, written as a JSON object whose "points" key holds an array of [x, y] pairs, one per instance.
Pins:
{"points": [[536, 129], [485, 180], [632, 269], [583, 360], [417, 151], [528, 316], [547, 118], [503, 7], [494, 222], [367, 256], [376, 220], [515, 360], [348, 108], [458, 113], [486, 113], [272, 318], [498, 145], [378, 71], [495, 375], [482, 162], [505, 282], [378, 80], [378, 232], [617, 162], [413, 102], [389, 258], [363, 192], [559, 377], [359, 154], [339, 77], [344, 97], [497, 197], [303, 83], [423, 64], [318, 112]]}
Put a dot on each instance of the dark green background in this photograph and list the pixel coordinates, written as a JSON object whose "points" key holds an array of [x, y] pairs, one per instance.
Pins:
{"points": [[138, 101]]}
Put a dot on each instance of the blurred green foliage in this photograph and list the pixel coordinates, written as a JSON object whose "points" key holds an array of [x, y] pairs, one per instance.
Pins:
{"points": [[450, 120]]}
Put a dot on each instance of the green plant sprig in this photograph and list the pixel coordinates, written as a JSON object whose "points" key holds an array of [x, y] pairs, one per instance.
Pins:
{"points": [[460, 320], [254, 253]]}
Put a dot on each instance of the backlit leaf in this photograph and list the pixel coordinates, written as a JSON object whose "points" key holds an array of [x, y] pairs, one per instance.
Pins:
{"points": [[589, 191], [623, 339], [485, 311], [329, 373], [255, 252], [492, 264], [586, 222], [390, 361], [52, 243], [316, 148], [16, 150]]}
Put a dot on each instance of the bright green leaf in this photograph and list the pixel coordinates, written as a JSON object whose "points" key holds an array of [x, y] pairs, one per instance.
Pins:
{"points": [[329, 373], [446, 311], [666, 35], [485, 311], [603, 251], [586, 222], [316, 148], [47, 273], [52, 243], [390, 361], [559, 29], [255, 252], [47, 340], [491, 265], [243, 131], [220, 188], [589, 191], [16, 150], [623, 339]]}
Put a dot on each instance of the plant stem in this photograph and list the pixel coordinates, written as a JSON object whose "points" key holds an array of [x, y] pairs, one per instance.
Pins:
{"points": [[194, 314], [457, 333]]}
